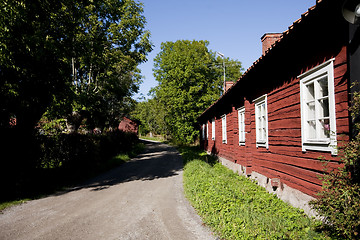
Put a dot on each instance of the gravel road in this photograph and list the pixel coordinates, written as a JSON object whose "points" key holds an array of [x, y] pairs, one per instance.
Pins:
{"points": [[142, 199]]}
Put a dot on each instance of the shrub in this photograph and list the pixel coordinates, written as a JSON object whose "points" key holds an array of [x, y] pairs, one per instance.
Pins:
{"points": [[83, 150], [41, 163], [339, 201]]}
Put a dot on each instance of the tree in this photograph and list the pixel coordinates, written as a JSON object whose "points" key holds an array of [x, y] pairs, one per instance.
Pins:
{"points": [[32, 50], [189, 82], [69, 55], [110, 44], [151, 114]]}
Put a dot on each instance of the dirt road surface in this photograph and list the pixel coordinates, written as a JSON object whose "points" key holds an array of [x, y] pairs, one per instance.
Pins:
{"points": [[142, 199]]}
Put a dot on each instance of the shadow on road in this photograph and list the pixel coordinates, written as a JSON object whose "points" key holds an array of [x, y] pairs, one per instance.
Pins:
{"points": [[157, 161]]}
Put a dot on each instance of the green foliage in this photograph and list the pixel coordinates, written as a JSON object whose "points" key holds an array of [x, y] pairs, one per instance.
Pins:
{"points": [[51, 127], [65, 55], [339, 201], [237, 208], [190, 79], [111, 41], [32, 50], [7, 204], [63, 159], [151, 114]]}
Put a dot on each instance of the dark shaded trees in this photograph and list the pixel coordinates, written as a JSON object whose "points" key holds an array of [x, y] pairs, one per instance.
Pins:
{"points": [[61, 56], [69, 55]]}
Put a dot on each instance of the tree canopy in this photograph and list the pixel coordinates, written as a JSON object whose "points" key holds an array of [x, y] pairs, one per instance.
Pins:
{"points": [[152, 117], [66, 55], [190, 78]]}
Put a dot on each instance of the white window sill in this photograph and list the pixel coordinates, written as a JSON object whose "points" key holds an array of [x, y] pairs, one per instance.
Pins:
{"points": [[241, 143], [262, 144], [317, 141], [319, 146]]}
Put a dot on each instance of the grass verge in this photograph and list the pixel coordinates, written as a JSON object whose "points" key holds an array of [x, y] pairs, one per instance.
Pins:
{"points": [[236, 207], [7, 204], [157, 139]]}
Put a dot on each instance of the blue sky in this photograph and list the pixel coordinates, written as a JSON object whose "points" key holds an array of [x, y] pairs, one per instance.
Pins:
{"points": [[233, 27]]}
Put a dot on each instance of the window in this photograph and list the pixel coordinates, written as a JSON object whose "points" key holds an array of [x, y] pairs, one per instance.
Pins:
{"points": [[318, 121], [213, 129], [223, 124], [261, 122], [241, 118], [203, 132], [207, 130]]}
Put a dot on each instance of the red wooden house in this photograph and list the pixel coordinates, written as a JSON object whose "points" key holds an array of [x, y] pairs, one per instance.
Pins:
{"points": [[290, 108], [129, 125]]}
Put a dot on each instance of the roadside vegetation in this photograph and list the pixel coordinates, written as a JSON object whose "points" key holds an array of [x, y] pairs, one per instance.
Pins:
{"points": [[156, 138], [66, 160], [339, 201], [68, 70], [236, 207]]}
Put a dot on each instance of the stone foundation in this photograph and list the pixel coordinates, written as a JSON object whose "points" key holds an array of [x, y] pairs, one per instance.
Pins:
{"points": [[290, 195]]}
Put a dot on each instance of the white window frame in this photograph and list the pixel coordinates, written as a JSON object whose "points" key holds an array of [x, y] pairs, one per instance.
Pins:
{"points": [[241, 122], [207, 130], [261, 122], [203, 132], [326, 144], [223, 129], [213, 129]]}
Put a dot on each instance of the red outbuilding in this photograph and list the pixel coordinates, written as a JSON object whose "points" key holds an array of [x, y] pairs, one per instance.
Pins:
{"points": [[289, 110], [129, 125]]}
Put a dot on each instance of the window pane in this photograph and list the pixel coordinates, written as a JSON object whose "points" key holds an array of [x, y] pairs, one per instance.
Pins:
{"points": [[310, 92], [263, 122], [241, 126], [264, 133], [311, 110], [324, 103], [325, 128], [311, 130], [323, 83], [260, 133], [223, 121]]}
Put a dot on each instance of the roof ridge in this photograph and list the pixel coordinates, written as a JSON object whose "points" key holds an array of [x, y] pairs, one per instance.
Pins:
{"points": [[284, 34]]}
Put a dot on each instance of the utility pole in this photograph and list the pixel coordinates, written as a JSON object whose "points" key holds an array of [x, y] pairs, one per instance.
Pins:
{"points": [[223, 57]]}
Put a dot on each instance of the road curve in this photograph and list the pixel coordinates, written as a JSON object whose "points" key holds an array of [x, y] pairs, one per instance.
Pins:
{"points": [[142, 199]]}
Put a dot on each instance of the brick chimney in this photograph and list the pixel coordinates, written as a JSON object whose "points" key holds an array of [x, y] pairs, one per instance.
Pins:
{"points": [[228, 85], [269, 39]]}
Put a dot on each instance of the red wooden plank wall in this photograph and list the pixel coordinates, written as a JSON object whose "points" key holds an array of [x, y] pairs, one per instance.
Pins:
{"points": [[284, 159]]}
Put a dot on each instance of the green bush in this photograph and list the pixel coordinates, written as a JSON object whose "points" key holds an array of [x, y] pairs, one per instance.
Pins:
{"points": [[339, 201], [82, 150], [237, 208], [42, 163]]}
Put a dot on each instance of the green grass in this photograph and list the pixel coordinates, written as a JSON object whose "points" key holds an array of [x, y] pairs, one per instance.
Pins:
{"points": [[153, 138], [236, 207], [7, 204]]}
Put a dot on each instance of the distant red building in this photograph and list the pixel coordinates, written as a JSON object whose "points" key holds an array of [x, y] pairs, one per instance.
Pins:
{"points": [[129, 125]]}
